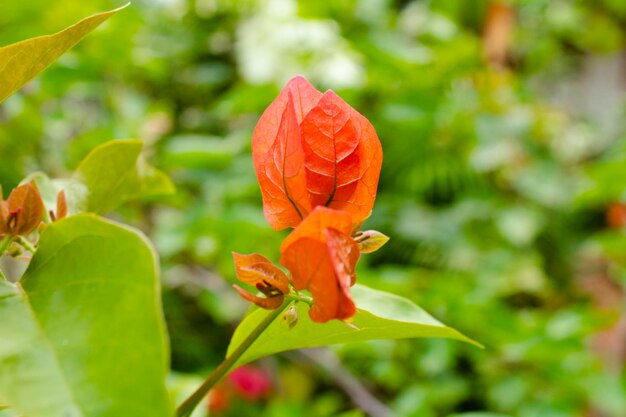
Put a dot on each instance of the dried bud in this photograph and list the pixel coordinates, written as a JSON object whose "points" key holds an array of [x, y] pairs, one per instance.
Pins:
{"points": [[370, 240], [291, 317]]}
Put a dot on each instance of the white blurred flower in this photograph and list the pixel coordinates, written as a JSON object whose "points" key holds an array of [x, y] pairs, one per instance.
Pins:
{"points": [[275, 45]]}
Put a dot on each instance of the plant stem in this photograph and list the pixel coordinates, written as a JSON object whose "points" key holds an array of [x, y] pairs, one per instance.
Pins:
{"points": [[301, 298], [187, 407], [26, 244], [4, 244]]}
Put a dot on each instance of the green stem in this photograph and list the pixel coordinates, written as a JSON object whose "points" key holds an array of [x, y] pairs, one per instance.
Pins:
{"points": [[187, 407], [26, 244], [4, 244], [2, 277], [300, 298]]}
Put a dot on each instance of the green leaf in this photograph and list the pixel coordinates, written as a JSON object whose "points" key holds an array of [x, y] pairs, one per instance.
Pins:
{"points": [[110, 175], [82, 334], [113, 173], [22, 61], [201, 152], [128, 176], [75, 191], [380, 315]]}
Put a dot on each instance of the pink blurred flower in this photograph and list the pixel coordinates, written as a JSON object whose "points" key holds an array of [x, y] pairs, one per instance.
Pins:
{"points": [[250, 383]]}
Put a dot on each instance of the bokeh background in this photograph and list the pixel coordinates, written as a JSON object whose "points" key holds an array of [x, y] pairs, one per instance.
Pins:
{"points": [[502, 190]]}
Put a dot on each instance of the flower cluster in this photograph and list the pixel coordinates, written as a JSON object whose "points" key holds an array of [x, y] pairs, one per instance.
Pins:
{"points": [[317, 161], [23, 211]]}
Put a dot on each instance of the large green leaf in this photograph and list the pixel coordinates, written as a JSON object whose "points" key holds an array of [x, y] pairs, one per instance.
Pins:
{"points": [[82, 334], [110, 175], [380, 316], [114, 172], [22, 61]]}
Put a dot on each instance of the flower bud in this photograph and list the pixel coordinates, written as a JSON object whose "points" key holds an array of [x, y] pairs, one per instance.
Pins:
{"points": [[291, 317], [22, 212], [370, 240]]}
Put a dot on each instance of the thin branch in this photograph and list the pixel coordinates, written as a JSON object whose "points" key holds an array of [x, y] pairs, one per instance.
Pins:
{"points": [[4, 244], [26, 244], [187, 407], [360, 395]]}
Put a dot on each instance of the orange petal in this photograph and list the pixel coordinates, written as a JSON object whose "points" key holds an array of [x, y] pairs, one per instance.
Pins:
{"points": [[313, 268], [257, 269], [343, 157], [270, 303], [358, 198], [244, 261], [61, 205], [268, 273], [278, 155], [281, 174], [305, 258], [321, 257], [25, 209], [330, 138], [344, 253], [315, 224], [305, 97]]}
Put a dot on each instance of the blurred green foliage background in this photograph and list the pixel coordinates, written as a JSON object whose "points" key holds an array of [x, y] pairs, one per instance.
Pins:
{"points": [[503, 184]]}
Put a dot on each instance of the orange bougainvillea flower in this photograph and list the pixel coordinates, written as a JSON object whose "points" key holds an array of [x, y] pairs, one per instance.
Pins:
{"points": [[321, 256], [312, 149], [258, 271], [317, 161], [22, 212]]}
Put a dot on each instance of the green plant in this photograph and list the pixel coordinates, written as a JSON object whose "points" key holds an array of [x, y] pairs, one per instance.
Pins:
{"points": [[82, 331]]}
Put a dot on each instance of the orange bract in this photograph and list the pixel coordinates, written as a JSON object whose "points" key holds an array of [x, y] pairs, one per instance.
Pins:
{"points": [[61, 206], [22, 212], [258, 271], [322, 258], [312, 149]]}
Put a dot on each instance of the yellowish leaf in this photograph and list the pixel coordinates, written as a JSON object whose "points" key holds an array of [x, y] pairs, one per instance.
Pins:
{"points": [[22, 61]]}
